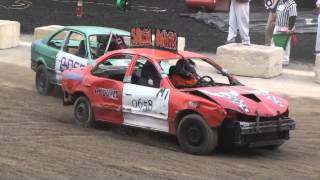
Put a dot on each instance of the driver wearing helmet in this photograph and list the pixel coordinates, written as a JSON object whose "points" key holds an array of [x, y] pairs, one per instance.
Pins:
{"points": [[185, 74]]}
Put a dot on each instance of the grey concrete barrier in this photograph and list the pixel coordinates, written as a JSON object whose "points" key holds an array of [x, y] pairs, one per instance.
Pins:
{"points": [[45, 31], [317, 68], [9, 34], [253, 61]]}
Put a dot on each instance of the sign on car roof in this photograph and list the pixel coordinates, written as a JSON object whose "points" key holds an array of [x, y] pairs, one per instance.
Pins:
{"points": [[164, 39], [141, 37]]}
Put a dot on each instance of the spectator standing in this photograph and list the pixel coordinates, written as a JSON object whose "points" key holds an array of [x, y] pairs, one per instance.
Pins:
{"points": [[239, 19], [318, 31], [271, 6], [285, 23]]}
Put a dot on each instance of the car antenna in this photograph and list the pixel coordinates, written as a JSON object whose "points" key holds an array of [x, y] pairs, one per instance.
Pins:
{"points": [[109, 42]]}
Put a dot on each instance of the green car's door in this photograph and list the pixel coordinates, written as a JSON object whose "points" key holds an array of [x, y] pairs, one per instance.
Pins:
{"points": [[52, 47], [44, 52], [74, 54]]}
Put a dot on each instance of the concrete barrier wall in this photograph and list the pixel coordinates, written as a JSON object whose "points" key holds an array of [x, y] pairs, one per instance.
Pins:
{"points": [[317, 68], [9, 34], [253, 61], [45, 31], [181, 43]]}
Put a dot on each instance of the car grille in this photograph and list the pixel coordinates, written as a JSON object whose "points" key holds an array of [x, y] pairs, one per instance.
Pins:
{"points": [[245, 118]]}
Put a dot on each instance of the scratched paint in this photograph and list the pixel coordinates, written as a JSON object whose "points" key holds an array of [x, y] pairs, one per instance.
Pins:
{"points": [[269, 96], [233, 96], [72, 76]]}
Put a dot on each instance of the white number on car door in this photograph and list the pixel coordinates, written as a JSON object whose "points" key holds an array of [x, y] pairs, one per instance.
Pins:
{"points": [[145, 104], [73, 55]]}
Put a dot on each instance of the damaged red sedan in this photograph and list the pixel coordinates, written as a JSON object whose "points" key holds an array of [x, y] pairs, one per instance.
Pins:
{"points": [[134, 87]]}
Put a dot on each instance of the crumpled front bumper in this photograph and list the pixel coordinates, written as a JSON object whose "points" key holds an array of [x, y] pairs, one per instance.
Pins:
{"points": [[282, 124], [258, 134]]}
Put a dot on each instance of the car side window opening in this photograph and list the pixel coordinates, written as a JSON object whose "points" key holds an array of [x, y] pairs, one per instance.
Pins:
{"points": [[114, 67], [202, 69], [145, 74], [58, 40], [75, 44], [99, 44], [117, 42]]}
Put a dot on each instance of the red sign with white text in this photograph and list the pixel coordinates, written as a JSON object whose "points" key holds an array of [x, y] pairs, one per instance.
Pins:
{"points": [[165, 39], [141, 37]]}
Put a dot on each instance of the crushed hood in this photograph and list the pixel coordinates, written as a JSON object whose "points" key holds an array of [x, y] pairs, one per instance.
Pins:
{"points": [[246, 100]]}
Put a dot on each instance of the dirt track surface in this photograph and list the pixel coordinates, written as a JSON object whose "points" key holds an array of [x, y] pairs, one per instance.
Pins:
{"points": [[39, 140]]}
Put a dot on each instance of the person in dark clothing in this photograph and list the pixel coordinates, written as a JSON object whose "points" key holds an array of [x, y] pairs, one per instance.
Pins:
{"points": [[185, 74], [271, 6]]}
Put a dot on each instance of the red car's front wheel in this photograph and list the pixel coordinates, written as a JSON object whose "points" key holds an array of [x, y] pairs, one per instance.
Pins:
{"points": [[195, 136]]}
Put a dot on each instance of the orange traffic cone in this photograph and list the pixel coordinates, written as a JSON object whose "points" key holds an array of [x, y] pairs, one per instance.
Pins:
{"points": [[80, 8]]}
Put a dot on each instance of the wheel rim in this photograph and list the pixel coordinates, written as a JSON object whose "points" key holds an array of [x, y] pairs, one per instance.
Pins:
{"points": [[41, 80], [194, 135], [82, 112]]}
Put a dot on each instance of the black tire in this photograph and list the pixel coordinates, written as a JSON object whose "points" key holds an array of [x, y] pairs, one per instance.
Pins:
{"points": [[272, 147], [195, 136], [43, 85], [83, 112]]}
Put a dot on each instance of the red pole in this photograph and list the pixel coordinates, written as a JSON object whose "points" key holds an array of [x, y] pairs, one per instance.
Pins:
{"points": [[80, 8], [207, 4]]}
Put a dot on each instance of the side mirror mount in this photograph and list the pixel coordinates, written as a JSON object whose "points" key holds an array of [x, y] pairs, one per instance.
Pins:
{"points": [[150, 82], [224, 72]]}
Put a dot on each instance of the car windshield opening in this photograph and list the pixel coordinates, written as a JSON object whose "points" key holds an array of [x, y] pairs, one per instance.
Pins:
{"points": [[101, 43], [193, 70]]}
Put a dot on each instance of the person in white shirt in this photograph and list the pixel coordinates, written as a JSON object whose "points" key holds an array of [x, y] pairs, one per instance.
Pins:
{"points": [[285, 23], [318, 31], [239, 19]]}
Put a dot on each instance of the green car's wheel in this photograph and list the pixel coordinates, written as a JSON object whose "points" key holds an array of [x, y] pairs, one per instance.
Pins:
{"points": [[43, 84], [83, 112], [195, 136]]}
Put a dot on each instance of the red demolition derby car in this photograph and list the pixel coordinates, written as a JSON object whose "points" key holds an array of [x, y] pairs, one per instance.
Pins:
{"points": [[133, 87]]}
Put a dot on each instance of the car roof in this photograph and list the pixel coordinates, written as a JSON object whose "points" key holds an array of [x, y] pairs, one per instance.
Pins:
{"points": [[158, 54], [90, 30]]}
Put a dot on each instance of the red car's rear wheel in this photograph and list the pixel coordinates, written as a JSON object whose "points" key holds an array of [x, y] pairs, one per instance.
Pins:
{"points": [[83, 112]]}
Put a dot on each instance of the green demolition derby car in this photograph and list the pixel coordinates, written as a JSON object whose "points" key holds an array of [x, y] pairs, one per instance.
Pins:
{"points": [[71, 47]]}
